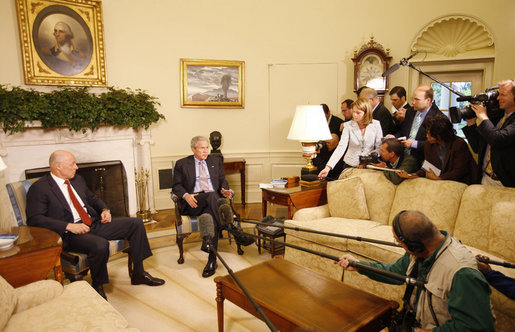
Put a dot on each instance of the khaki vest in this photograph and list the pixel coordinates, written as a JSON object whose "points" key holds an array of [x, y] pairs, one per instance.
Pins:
{"points": [[452, 257]]}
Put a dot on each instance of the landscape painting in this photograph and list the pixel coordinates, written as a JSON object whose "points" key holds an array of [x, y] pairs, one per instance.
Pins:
{"points": [[212, 83]]}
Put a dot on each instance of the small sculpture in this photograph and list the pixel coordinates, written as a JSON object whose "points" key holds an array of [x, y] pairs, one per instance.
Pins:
{"points": [[215, 138]]}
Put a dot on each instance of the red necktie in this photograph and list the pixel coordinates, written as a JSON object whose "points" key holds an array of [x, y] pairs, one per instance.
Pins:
{"points": [[82, 213]]}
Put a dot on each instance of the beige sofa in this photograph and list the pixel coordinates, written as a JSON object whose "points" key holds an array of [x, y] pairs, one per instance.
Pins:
{"points": [[48, 306], [363, 203]]}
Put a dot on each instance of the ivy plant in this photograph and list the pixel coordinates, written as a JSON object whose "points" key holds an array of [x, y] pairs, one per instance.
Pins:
{"points": [[77, 109]]}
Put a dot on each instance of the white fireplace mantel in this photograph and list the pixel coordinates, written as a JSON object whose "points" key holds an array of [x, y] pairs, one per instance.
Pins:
{"points": [[32, 147]]}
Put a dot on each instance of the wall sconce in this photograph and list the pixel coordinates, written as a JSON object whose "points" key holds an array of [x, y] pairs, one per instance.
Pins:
{"points": [[309, 126]]}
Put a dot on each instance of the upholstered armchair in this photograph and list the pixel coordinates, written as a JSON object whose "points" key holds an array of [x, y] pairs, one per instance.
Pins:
{"points": [[75, 265], [185, 225]]}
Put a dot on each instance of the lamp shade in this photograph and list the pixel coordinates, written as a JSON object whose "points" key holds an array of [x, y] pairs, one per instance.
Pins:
{"points": [[309, 124]]}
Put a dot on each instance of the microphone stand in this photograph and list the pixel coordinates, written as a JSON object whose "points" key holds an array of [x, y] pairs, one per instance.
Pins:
{"points": [[237, 280], [358, 265], [489, 261], [299, 229], [448, 87]]}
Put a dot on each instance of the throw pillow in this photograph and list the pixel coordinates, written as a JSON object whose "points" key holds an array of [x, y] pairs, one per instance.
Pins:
{"points": [[346, 199]]}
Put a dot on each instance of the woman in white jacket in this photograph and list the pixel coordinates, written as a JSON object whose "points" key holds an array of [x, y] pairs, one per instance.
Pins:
{"points": [[360, 137]]}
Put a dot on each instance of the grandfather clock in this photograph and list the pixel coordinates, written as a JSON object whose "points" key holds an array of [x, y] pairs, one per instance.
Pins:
{"points": [[370, 62]]}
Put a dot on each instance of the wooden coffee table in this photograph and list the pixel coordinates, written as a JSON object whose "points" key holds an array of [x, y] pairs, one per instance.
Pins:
{"points": [[35, 253], [298, 197], [293, 296]]}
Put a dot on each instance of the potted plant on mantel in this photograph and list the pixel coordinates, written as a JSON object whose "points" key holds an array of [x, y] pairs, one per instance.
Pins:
{"points": [[76, 108]]}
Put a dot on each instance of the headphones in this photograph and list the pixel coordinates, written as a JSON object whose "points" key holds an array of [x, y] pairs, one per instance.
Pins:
{"points": [[414, 245]]}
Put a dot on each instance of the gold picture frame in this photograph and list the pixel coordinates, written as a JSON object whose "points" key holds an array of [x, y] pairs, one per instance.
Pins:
{"points": [[212, 83], [62, 42]]}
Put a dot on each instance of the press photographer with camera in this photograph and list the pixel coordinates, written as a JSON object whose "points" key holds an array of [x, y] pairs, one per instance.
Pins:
{"points": [[456, 296], [393, 156], [327, 147], [360, 136], [495, 143]]}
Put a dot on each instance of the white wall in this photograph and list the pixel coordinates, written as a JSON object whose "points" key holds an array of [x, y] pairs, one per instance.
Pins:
{"points": [[144, 41]]}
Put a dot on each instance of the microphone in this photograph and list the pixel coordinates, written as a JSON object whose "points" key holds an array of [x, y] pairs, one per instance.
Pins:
{"points": [[226, 216], [358, 265], [300, 229], [502, 263], [207, 232], [206, 228], [403, 62]]}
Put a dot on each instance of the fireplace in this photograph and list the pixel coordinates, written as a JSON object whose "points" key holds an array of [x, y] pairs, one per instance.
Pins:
{"points": [[107, 180], [31, 148]]}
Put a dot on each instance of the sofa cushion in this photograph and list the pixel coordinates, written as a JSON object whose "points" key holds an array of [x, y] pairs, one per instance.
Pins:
{"points": [[36, 293], [501, 241], [346, 199], [76, 309], [439, 200], [7, 302], [379, 192], [472, 222]]}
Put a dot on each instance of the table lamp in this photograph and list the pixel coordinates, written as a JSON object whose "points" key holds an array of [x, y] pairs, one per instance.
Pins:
{"points": [[309, 126]]}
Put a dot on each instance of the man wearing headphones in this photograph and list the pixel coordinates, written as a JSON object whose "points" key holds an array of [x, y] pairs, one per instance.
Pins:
{"points": [[455, 296]]}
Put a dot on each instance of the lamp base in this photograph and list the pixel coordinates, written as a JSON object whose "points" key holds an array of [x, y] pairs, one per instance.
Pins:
{"points": [[309, 174]]}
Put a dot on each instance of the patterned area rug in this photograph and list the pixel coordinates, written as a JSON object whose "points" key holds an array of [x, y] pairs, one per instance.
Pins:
{"points": [[187, 301]]}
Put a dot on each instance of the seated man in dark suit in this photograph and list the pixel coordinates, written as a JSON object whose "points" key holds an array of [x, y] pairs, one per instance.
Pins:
{"points": [[379, 111], [62, 202], [413, 128], [200, 181]]}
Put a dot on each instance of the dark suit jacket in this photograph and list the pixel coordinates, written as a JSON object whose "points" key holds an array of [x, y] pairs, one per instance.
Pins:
{"points": [[47, 206], [421, 134], [502, 145], [334, 126], [383, 115], [458, 163], [184, 175], [396, 124]]}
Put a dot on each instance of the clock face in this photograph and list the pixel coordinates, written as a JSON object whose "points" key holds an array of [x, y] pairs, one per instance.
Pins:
{"points": [[370, 72]]}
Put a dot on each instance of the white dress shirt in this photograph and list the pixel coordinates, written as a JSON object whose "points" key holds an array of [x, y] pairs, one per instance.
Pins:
{"points": [[64, 190]]}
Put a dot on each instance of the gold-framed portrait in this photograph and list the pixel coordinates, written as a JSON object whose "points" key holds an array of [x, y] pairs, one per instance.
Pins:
{"points": [[62, 42], [212, 83]]}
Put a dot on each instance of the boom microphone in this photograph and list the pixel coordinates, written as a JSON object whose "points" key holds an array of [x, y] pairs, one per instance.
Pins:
{"points": [[207, 232], [299, 229], [403, 62], [358, 265], [504, 263]]}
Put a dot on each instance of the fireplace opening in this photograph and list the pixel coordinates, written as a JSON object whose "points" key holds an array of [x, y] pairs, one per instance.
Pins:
{"points": [[106, 179]]}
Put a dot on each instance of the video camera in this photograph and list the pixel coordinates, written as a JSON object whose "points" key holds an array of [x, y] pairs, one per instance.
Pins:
{"points": [[372, 158], [487, 98]]}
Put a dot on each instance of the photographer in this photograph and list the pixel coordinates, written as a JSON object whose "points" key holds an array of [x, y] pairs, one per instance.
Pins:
{"points": [[326, 147], [495, 144], [393, 156], [456, 296]]}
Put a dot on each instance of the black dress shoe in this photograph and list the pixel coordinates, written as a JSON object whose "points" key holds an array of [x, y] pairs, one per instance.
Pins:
{"points": [[210, 268], [100, 291], [147, 279]]}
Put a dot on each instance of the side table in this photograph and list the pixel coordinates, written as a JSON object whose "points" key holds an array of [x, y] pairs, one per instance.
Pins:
{"points": [[35, 253], [273, 248], [298, 197], [237, 165]]}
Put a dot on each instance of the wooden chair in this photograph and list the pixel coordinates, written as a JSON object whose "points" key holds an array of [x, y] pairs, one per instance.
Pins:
{"points": [[75, 265], [185, 225]]}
